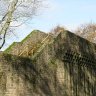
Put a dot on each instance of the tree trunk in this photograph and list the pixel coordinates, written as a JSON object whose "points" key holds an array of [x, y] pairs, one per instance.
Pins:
{"points": [[7, 20]]}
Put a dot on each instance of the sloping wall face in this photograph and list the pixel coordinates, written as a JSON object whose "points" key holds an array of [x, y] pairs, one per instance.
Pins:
{"points": [[35, 37], [72, 63], [19, 77], [16, 76], [64, 67], [79, 65]]}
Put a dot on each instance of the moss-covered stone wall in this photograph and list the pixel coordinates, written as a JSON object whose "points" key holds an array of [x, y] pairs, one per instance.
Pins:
{"points": [[66, 66], [72, 59], [26, 44]]}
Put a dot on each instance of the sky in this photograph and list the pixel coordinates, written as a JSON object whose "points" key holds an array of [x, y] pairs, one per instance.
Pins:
{"points": [[67, 13]]}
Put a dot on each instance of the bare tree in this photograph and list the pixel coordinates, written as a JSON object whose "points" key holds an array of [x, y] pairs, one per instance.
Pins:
{"points": [[15, 11], [57, 29], [87, 31]]}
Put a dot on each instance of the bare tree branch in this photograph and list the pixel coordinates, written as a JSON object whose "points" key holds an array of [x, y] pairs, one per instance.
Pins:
{"points": [[21, 23], [7, 19], [87, 31], [18, 11], [3, 40]]}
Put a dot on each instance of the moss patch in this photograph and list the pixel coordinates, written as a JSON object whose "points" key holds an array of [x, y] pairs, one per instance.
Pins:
{"points": [[34, 31], [13, 44], [9, 48]]}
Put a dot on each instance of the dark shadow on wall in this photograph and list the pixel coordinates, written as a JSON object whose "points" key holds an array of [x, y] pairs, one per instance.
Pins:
{"points": [[37, 79], [50, 73], [41, 78], [82, 75]]}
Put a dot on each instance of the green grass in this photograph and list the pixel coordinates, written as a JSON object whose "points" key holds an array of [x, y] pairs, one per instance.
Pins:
{"points": [[34, 31], [9, 48]]}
